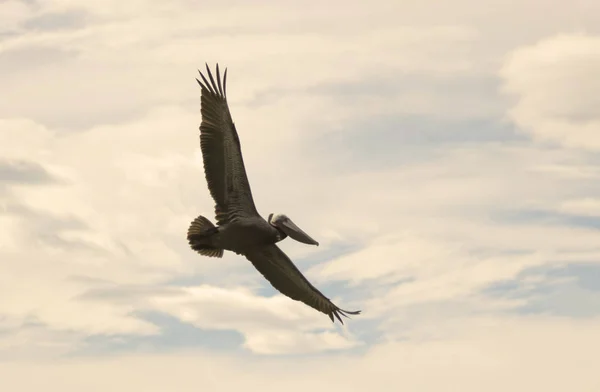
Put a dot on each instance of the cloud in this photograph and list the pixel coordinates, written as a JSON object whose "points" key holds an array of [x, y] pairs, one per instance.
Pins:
{"points": [[141, 241], [148, 76], [23, 172], [556, 89], [475, 356], [585, 206], [273, 325], [12, 13], [49, 21], [378, 129], [156, 187]]}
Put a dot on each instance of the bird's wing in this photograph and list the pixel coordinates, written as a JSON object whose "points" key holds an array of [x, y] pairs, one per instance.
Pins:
{"points": [[223, 163], [283, 275]]}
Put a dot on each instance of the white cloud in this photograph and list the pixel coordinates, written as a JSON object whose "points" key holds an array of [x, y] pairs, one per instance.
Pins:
{"points": [[556, 87], [586, 206], [275, 325], [12, 13]]}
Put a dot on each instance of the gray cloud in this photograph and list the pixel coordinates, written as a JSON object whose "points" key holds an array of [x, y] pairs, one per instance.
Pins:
{"points": [[396, 140], [108, 291], [572, 290], [396, 83], [49, 229], [549, 217], [56, 21], [23, 172]]}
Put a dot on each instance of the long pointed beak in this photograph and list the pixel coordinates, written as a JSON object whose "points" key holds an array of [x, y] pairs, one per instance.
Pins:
{"points": [[296, 233]]}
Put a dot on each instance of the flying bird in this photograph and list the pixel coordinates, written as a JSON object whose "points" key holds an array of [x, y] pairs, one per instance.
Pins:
{"points": [[240, 228]]}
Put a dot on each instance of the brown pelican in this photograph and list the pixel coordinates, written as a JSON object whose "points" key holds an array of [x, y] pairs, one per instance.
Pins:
{"points": [[240, 228]]}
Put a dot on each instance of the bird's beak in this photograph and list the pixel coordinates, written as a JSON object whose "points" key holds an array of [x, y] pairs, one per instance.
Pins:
{"points": [[296, 233]]}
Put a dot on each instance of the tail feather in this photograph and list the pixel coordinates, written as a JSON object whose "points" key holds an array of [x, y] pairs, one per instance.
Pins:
{"points": [[198, 236]]}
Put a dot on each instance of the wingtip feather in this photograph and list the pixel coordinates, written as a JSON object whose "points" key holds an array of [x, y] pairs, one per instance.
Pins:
{"points": [[344, 313], [218, 87], [225, 83]]}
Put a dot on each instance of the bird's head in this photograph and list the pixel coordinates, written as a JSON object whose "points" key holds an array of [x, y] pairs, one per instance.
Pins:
{"points": [[288, 228]]}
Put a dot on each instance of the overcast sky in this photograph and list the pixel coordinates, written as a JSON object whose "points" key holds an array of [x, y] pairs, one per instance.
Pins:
{"points": [[444, 154]]}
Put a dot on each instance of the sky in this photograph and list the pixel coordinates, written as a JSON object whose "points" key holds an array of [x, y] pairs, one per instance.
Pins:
{"points": [[444, 155]]}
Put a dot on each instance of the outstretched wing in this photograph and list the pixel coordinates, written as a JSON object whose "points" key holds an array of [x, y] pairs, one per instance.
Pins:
{"points": [[223, 163], [283, 275]]}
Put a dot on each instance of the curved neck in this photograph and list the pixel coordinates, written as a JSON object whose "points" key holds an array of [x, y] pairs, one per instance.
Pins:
{"points": [[280, 233]]}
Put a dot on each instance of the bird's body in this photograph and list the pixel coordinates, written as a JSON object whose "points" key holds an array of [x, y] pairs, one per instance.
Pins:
{"points": [[240, 228], [238, 236]]}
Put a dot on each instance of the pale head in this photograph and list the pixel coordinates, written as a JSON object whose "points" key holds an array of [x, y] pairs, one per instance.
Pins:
{"points": [[288, 228]]}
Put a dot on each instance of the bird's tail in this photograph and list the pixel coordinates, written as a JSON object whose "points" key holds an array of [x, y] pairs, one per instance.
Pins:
{"points": [[198, 236]]}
